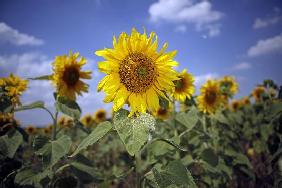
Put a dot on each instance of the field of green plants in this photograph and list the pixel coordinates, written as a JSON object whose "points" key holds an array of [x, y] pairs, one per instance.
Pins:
{"points": [[159, 133]]}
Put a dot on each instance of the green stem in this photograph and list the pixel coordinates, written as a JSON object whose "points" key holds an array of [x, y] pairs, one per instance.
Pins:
{"points": [[173, 117], [205, 129], [54, 130], [138, 169]]}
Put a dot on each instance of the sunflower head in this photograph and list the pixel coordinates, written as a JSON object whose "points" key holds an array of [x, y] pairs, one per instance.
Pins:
{"points": [[6, 118], [163, 113], [228, 86], [68, 74], [137, 74], [210, 98], [100, 115], [235, 105], [31, 130], [245, 101], [13, 87], [47, 130], [184, 86], [87, 120], [62, 121], [258, 93], [272, 92]]}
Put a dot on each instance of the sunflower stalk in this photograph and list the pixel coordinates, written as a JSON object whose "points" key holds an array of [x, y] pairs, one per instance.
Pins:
{"points": [[54, 130], [138, 169]]}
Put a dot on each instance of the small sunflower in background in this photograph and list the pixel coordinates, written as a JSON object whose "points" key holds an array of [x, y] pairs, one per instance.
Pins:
{"points": [[13, 87], [31, 130], [137, 74], [210, 98], [258, 93], [235, 105], [87, 120], [62, 121], [272, 92], [228, 86], [245, 101], [100, 115], [68, 74], [184, 87], [47, 131], [163, 113], [6, 118]]}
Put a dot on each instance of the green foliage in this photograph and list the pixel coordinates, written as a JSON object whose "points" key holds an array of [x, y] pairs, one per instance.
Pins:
{"points": [[37, 104], [94, 136], [68, 107], [189, 119], [134, 132], [210, 157], [9, 143]]}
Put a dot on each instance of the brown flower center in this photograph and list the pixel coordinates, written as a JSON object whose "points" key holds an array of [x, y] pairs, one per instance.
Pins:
{"points": [[137, 72], [162, 111], [210, 97], [101, 115], [71, 76], [179, 85]]}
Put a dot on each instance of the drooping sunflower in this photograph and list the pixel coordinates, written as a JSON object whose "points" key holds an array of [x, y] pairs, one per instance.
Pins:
{"points": [[163, 113], [100, 115], [228, 86], [184, 87], [68, 74], [137, 74], [31, 130], [258, 93], [87, 120], [245, 101], [211, 98], [235, 105], [13, 87]]}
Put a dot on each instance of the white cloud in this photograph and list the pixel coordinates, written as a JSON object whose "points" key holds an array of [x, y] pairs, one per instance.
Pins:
{"points": [[268, 21], [199, 13], [266, 46], [13, 36], [242, 66], [201, 79]]}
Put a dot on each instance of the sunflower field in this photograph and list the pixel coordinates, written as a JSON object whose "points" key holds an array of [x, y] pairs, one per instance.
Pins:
{"points": [[160, 132]]}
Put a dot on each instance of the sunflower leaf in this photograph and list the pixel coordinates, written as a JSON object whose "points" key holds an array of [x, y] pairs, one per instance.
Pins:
{"points": [[68, 107], [36, 104], [45, 77], [133, 132]]}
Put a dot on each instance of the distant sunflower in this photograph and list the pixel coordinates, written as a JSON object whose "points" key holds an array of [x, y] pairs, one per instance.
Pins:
{"points": [[258, 93], [67, 75], [211, 98], [47, 131], [163, 113], [272, 92], [100, 115], [235, 105], [87, 120], [31, 130], [137, 73], [62, 121], [228, 85], [6, 117], [13, 87], [184, 87], [245, 101]]}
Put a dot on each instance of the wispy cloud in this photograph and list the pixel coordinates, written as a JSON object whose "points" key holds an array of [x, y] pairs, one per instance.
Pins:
{"points": [[266, 46], [201, 79], [241, 66], [199, 13], [268, 21], [13, 36]]}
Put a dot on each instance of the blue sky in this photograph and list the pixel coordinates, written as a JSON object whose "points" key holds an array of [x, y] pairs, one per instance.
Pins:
{"points": [[242, 38]]}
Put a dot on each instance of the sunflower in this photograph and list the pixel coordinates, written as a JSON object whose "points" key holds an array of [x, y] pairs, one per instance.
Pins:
{"points": [[258, 93], [245, 101], [235, 105], [6, 118], [228, 86], [13, 87], [47, 131], [163, 113], [184, 87], [67, 75], [211, 98], [87, 120], [137, 74], [100, 115], [272, 92], [30, 130], [62, 121]]}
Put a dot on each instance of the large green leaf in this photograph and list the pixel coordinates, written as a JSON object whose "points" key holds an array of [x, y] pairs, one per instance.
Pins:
{"points": [[36, 104], [175, 173], [133, 132], [68, 107], [188, 119], [45, 77], [53, 151], [29, 177], [10, 143], [100, 131], [210, 156]]}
